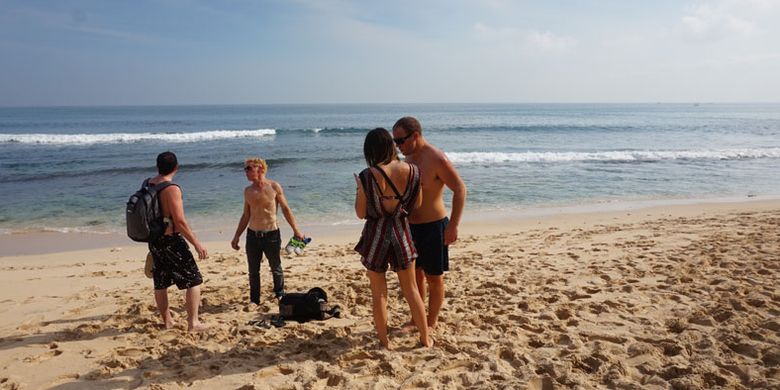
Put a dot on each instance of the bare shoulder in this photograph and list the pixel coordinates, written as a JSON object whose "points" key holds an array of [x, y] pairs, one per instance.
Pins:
{"points": [[171, 193], [172, 190], [436, 155], [275, 185]]}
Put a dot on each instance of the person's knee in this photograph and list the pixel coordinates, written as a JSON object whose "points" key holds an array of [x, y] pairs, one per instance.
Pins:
{"points": [[435, 280]]}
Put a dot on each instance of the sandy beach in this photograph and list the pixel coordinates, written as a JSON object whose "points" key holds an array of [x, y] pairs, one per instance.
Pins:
{"points": [[677, 296]]}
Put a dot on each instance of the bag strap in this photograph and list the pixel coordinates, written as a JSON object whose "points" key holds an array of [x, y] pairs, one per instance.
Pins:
{"points": [[161, 186], [334, 311], [389, 182], [156, 189]]}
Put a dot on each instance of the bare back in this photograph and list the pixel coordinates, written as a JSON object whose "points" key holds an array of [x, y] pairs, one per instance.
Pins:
{"points": [[398, 172], [430, 160], [262, 205]]}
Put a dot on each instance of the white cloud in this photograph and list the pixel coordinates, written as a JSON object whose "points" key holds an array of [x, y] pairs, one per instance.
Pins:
{"points": [[728, 18], [706, 21], [548, 41], [544, 41]]}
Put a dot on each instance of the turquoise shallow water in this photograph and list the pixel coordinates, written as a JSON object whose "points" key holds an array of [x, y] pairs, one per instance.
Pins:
{"points": [[72, 168]]}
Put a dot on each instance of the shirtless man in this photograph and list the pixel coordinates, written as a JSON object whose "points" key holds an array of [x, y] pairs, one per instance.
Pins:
{"points": [[262, 199], [173, 261], [432, 231]]}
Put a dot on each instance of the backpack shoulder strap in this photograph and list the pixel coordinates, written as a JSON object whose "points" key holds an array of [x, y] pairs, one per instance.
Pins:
{"points": [[156, 189], [159, 187]]}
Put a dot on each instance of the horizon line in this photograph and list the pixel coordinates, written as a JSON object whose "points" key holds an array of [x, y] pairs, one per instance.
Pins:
{"points": [[385, 103]]}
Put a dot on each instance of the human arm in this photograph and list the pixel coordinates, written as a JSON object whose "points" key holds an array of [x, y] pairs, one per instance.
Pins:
{"points": [[288, 215], [173, 199], [419, 201], [242, 224], [450, 177], [360, 199]]}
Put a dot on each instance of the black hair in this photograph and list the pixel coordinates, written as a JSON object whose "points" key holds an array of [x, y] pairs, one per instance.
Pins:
{"points": [[166, 162], [378, 147]]}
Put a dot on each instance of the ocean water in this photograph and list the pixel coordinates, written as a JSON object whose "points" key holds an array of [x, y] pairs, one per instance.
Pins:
{"points": [[73, 168]]}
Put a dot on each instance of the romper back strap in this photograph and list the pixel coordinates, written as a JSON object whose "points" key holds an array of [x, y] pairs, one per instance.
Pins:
{"points": [[390, 182]]}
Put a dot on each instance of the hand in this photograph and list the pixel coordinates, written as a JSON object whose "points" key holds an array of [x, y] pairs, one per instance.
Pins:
{"points": [[299, 234], [450, 234], [202, 253], [234, 243]]}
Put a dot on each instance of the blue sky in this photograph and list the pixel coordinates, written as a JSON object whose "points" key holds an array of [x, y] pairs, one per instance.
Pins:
{"points": [[328, 51]]}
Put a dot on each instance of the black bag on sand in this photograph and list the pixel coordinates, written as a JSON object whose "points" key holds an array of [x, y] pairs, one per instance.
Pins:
{"points": [[312, 305]]}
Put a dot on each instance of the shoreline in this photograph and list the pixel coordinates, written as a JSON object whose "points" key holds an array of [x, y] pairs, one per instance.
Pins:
{"points": [[477, 222]]}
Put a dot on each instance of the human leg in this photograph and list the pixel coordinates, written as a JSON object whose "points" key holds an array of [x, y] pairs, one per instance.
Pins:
{"points": [[435, 298], [433, 261], [192, 303], [254, 255], [162, 278], [379, 304], [419, 275], [272, 248], [407, 280], [161, 298]]}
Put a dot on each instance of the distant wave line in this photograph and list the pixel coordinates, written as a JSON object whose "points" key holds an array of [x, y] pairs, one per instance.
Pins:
{"points": [[111, 138], [70, 172], [213, 135], [612, 156]]}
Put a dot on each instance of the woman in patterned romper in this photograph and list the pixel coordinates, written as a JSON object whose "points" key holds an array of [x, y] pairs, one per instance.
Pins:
{"points": [[387, 191]]}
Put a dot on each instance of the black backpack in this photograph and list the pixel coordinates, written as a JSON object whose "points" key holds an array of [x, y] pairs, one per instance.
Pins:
{"points": [[312, 305], [144, 218]]}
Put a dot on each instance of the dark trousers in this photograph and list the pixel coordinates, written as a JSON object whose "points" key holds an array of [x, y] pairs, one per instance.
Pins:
{"points": [[270, 243]]}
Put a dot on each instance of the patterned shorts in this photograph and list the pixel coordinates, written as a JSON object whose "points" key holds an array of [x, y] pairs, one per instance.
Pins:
{"points": [[173, 263]]}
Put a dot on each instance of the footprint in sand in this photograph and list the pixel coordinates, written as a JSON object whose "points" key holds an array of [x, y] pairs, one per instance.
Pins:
{"points": [[43, 357], [542, 383], [131, 352]]}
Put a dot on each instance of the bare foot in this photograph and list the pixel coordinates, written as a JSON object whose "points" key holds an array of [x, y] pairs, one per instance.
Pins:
{"points": [[168, 320], [429, 344], [197, 327], [385, 342]]}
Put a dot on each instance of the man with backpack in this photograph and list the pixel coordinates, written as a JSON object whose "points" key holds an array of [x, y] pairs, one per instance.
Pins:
{"points": [[167, 230]]}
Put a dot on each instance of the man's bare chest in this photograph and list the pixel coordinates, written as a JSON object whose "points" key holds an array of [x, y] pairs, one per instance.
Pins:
{"points": [[261, 198]]}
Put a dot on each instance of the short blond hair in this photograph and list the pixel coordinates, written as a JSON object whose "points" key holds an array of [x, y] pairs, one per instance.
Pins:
{"points": [[256, 161]]}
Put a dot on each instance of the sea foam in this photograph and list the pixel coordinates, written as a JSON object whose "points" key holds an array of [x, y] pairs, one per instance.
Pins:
{"points": [[113, 138], [615, 156]]}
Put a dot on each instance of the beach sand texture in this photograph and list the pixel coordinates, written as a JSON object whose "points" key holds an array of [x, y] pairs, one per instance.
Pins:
{"points": [[680, 300]]}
